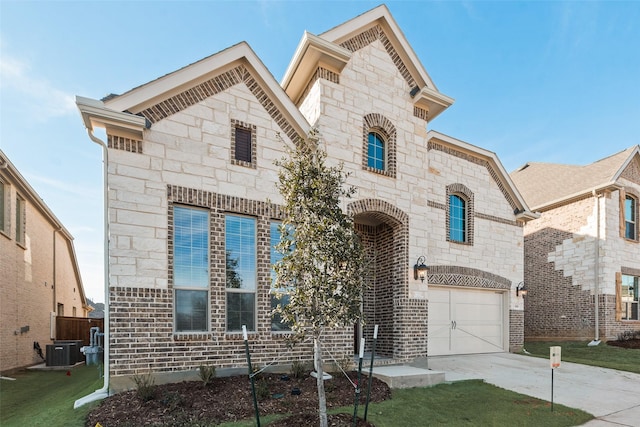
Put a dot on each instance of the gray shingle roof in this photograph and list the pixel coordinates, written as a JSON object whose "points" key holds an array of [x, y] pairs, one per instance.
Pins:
{"points": [[543, 183]]}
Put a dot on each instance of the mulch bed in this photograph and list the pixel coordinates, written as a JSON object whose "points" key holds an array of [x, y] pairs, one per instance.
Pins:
{"points": [[625, 343], [230, 399]]}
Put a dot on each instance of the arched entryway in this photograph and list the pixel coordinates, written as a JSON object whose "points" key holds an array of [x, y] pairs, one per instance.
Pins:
{"points": [[384, 230]]}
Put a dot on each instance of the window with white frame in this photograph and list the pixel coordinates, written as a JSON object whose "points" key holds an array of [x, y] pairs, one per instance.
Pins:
{"points": [[241, 272], [631, 218], [277, 324], [191, 268], [629, 297], [20, 220]]}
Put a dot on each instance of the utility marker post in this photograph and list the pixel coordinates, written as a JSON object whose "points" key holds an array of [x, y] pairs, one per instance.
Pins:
{"points": [[373, 351], [253, 384], [355, 404], [554, 360]]}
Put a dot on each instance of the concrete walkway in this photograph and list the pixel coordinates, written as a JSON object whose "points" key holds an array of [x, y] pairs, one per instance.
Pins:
{"points": [[613, 397]]}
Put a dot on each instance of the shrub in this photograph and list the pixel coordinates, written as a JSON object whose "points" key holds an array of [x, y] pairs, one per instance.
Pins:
{"points": [[145, 386], [207, 373], [262, 389], [299, 369], [172, 400], [629, 335]]}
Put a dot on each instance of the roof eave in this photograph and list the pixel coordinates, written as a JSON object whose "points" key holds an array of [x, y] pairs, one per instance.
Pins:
{"points": [[96, 114], [613, 186], [312, 51]]}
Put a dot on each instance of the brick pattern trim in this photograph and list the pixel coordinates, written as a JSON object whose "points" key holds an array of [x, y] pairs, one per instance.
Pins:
{"points": [[463, 191], [437, 205], [632, 171], [379, 123], [459, 154], [126, 144], [254, 143], [217, 84], [454, 275], [421, 113]]}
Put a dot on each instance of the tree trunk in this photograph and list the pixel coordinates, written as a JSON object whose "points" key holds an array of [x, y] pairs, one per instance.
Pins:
{"points": [[322, 400]]}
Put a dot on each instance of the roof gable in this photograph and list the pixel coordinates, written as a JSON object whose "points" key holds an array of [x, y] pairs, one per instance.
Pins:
{"points": [[544, 185], [183, 88], [332, 50], [488, 159]]}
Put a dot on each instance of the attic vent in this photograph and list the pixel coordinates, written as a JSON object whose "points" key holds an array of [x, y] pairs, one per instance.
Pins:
{"points": [[523, 167]]}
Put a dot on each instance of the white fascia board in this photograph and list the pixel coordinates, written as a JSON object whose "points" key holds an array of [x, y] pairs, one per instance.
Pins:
{"points": [[382, 14], [139, 98], [95, 114], [493, 159]]}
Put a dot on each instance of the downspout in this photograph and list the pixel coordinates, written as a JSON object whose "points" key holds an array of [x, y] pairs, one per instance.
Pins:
{"points": [[104, 391], [596, 272]]}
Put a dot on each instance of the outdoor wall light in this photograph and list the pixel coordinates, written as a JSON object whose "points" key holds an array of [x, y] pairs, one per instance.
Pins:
{"points": [[420, 270], [521, 289]]}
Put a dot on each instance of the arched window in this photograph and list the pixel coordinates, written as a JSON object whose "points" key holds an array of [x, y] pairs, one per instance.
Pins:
{"points": [[376, 151], [379, 145], [460, 214], [457, 218]]}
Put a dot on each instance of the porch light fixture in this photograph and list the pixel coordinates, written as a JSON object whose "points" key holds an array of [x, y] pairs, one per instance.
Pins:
{"points": [[521, 289], [420, 270]]}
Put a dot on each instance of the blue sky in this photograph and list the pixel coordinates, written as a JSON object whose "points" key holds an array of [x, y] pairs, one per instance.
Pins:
{"points": [[533, 81]]}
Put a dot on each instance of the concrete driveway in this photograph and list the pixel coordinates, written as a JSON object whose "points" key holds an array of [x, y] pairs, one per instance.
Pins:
{"points": [[613, 397]]}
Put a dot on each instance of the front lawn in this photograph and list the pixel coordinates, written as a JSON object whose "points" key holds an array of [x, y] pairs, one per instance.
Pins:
{"points": [[603, 355], [45, 398], [462, 403]]}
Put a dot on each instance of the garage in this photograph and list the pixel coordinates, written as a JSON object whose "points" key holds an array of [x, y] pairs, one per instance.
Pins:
{"points": [[465, 321]]}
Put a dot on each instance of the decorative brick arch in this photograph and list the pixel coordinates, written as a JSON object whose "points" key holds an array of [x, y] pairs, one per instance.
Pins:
{"points": [[379, 123], [463, 191], [384, 230], [454, 275]]}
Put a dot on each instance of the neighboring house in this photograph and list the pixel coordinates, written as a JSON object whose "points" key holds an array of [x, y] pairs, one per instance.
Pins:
{"points": [[194, 209], [585, 244], [39, 275]]}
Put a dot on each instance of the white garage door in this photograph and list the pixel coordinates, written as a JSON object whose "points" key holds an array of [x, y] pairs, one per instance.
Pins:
{"points": [[463, 321]]}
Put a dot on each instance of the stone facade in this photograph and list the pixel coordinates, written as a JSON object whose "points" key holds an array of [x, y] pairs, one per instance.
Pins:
{"points": [[184, 157], [39, 276]]}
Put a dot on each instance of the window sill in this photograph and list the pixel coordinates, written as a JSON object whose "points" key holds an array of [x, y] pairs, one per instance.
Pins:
{"points": [[191, 336]]}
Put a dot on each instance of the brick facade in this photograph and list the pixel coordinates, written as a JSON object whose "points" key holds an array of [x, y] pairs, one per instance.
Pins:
{"points": [[39, 275], [561, 251]]}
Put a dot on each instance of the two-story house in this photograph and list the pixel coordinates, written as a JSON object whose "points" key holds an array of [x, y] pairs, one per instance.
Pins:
{"points": [[191, 194], [582, 256], [39, 274]]}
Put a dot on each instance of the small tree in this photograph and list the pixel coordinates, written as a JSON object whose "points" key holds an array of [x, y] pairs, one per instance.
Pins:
{"points": [[322, 268]]}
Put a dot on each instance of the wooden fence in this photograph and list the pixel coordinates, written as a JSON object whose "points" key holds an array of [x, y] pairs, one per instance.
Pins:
{"points": [[76, 328]]}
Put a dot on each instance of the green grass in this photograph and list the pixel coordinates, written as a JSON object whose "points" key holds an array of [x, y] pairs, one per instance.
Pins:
{"points": [[602, 355], [45, 398], [463, 403]]}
